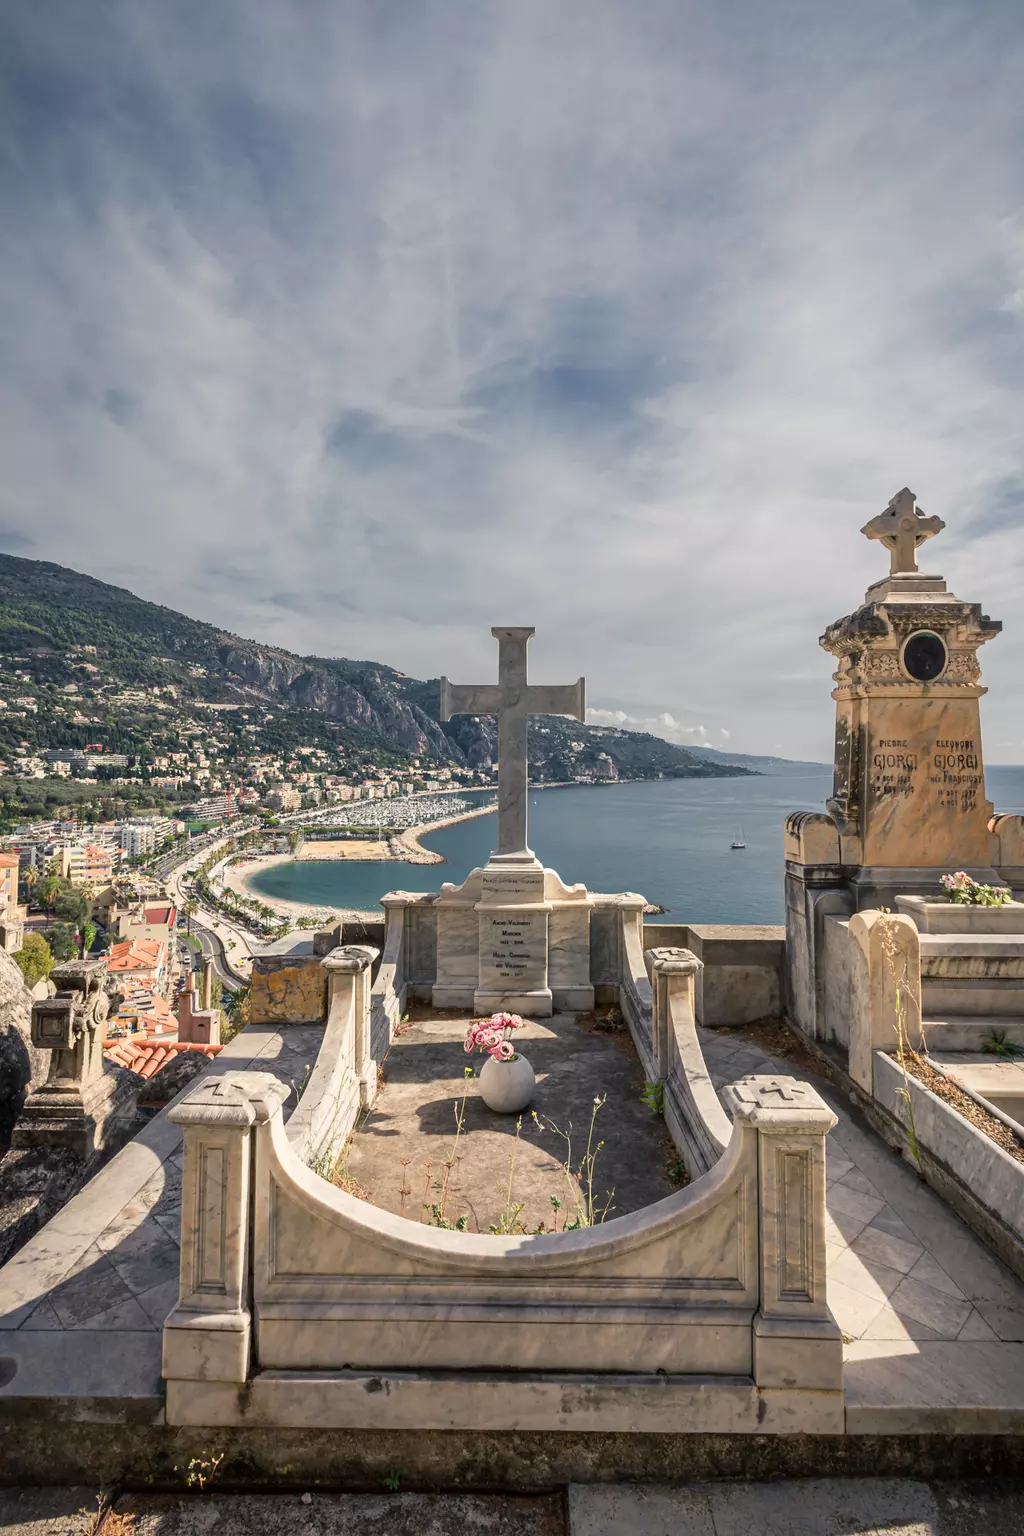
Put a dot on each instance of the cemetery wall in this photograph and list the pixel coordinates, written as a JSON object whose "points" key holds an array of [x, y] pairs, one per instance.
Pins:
{"points": [[743, 964], [288, 988]]}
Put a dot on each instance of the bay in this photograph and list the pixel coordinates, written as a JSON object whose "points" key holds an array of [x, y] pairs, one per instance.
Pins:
{"points": [[667, 839]]}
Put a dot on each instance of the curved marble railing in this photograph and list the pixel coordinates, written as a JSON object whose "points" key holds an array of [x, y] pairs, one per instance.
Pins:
{"points": [[694, 1115], [387, 1001], [345, 1072], [656, 994], [725, 1279], [635, 996]]}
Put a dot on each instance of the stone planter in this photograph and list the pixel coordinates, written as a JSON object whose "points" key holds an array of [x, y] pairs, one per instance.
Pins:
{"points": [[507, 1086]]}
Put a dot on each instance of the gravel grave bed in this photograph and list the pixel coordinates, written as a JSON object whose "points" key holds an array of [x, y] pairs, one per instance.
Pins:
{"points": [[951, 1093]]}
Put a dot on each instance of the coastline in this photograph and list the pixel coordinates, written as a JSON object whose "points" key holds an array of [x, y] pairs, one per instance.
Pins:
{"points": [[239, 876], [410, 837]]}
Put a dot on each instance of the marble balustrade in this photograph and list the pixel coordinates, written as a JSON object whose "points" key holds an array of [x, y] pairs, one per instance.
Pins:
{"points": [[723, 1280]]}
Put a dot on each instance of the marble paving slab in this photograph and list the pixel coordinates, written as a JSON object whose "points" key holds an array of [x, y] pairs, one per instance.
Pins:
{"points": [[932, 1321]]}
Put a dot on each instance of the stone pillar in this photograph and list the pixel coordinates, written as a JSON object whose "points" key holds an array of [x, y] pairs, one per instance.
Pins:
{"points": [[207, 988], [207, 1335], [348, 971], [815, 890], [673, 974], [797, 1343], [1009, 859], [885, 986], [197, 1026], [78, 1097]]}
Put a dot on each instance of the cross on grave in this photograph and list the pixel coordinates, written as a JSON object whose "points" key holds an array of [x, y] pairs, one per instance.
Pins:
{"points": [[901, 528], [512, 700], [784, 1089]]}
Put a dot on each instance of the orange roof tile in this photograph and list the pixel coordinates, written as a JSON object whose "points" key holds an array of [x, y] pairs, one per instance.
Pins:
{"points": [[146, 1057]]}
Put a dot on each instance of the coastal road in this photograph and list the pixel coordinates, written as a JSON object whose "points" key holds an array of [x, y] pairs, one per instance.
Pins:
{"points": [[221, 941], [213, 949]]}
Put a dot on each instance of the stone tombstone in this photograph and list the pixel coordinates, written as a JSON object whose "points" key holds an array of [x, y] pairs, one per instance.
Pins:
{"points": [[908, 802], [513, 936], [909, 784]]}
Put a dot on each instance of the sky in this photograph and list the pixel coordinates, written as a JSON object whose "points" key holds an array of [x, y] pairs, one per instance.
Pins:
{"points": [[360, 327]]}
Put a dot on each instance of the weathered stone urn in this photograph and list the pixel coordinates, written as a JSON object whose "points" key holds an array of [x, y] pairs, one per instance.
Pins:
{"points": [[507, 1086]]}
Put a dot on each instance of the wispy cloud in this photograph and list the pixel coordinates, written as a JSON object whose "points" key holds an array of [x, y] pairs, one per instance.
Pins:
{"points": [[664, 725], [361, 328]]}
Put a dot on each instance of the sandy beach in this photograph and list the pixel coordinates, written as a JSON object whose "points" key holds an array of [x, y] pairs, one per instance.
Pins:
{"points": [[238, 876]]}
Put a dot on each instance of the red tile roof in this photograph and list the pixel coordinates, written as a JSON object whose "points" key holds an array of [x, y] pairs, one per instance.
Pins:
{"points": [[147, 1056], [135, 955], [164, 914]]}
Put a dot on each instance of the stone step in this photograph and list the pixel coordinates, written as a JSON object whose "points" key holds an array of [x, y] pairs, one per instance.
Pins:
{"points": [[984, 945], [967, 1032], [970, 997]]}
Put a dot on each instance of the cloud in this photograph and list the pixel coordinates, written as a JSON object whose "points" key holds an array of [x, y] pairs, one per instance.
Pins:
{"points": [[663, 725], [359, 328]]}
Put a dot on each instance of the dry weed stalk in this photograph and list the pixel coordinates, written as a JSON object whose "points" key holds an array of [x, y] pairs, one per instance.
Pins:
{"points": [[896, 963]]}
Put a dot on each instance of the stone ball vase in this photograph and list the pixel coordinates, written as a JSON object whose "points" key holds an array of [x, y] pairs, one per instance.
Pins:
{"points": [[507, 1086]]}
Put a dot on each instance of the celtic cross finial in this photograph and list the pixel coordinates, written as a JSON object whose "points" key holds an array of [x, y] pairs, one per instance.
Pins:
{"points": [[901, 528]]}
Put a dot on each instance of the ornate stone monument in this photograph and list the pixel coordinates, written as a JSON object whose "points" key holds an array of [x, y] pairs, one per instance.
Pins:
{"points": [[512, 936], [73, 1107], [909, 781], [908, 801]]}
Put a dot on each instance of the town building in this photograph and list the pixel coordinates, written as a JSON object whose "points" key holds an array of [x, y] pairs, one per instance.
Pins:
{"points": [[283, 798], [12, 916]]}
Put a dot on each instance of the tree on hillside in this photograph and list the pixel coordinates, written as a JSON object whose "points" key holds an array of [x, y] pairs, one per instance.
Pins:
{"points": [[70, 905], [47, 890], [61, 939], [34, 959]]}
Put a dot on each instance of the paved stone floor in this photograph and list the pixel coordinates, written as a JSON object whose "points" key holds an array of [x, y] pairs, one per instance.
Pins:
{"points": [[125, 1278], [803, 1507], [408, 1137], [929, 1314]]}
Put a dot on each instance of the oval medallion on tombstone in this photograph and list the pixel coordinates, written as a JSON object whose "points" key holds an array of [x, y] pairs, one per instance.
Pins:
{"points": [[925, 656]]}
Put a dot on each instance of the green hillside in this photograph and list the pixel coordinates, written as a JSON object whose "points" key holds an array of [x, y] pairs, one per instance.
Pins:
{"points": [[103, 667]]}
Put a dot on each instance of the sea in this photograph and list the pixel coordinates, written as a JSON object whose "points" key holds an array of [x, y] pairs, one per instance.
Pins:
{"points": [[667, 839]]}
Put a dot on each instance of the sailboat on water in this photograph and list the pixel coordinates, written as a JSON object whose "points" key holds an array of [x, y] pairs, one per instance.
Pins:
{"points": [[737, 841]]}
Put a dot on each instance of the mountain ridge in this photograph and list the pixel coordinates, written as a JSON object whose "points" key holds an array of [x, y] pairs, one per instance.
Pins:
{"points": [[151, 662]]}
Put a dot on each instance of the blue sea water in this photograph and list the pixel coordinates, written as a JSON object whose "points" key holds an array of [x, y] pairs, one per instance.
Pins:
{"points": [[667, 839]]}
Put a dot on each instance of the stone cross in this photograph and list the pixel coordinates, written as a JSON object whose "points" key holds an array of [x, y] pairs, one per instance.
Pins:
{"points": [[901, 528], [512, 701], [784, 1089]]}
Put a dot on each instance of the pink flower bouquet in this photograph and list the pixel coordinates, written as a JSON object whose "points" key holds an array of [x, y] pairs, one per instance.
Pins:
{"points": [[492, 1035], [965, 892]]}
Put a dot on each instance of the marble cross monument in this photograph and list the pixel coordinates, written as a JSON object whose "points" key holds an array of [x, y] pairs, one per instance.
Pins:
{"points": [[513, 700], [513, 936]]}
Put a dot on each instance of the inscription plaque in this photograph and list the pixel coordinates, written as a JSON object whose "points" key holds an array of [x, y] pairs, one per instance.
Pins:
{"points": [[513, 951], [502, 884]]}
